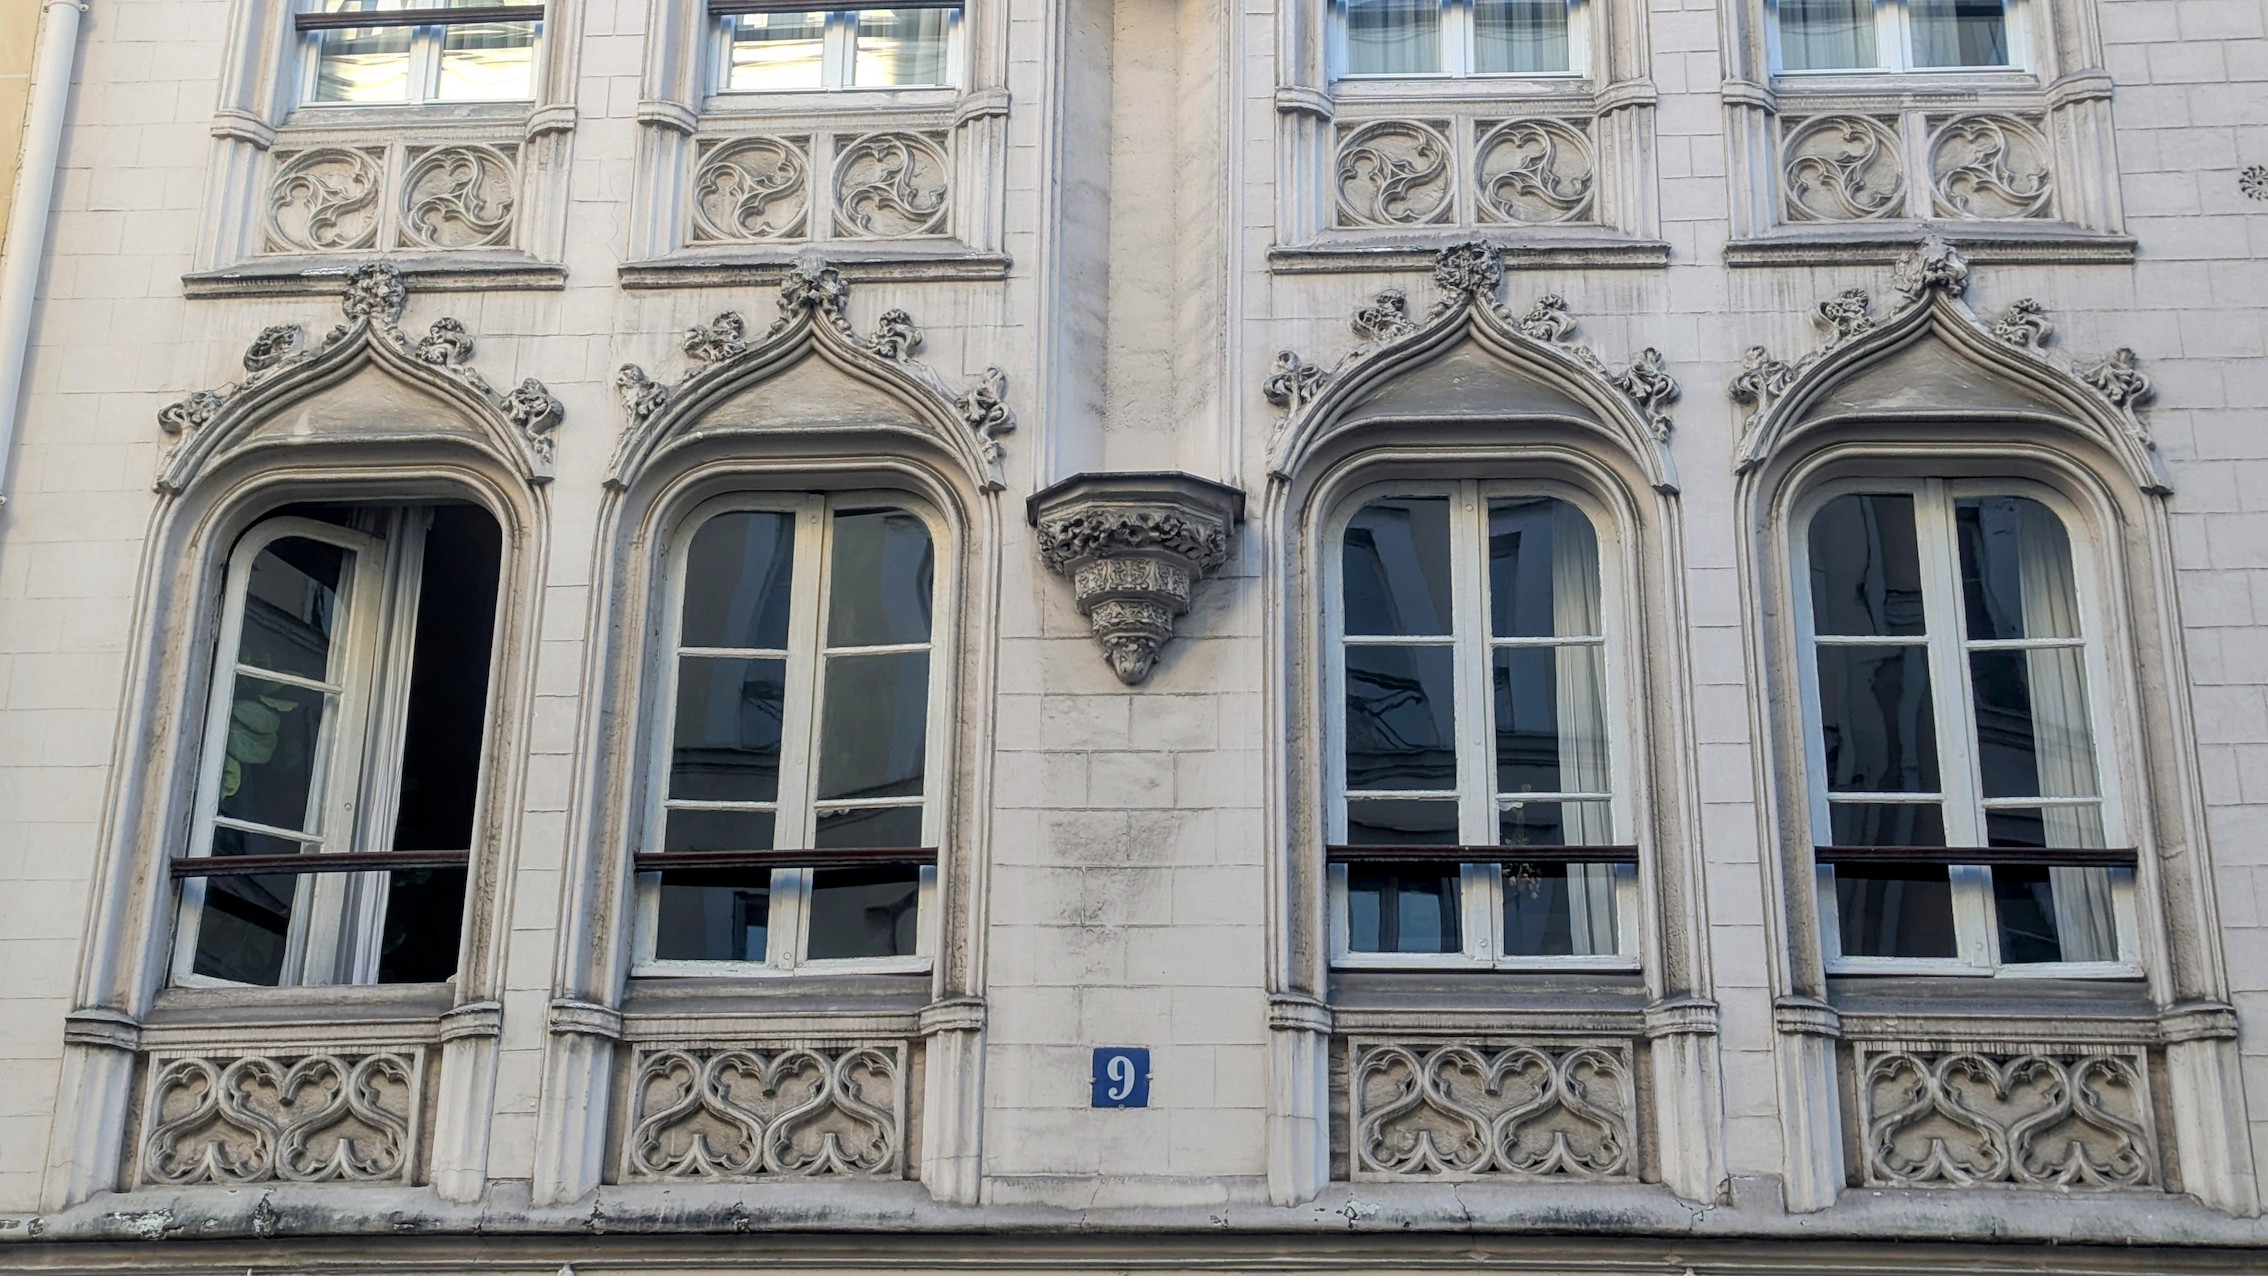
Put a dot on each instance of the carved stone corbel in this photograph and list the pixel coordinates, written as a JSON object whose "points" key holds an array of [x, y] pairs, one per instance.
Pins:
{"points": [[1134, 546]]}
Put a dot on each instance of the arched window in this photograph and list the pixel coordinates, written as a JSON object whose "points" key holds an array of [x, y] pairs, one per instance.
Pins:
{"points": [[1965, 820], [792, 769], [1475, 814]]}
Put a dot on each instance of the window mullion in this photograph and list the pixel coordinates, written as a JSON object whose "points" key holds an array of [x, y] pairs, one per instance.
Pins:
{"points": [[1476, 763], [838, 48], [1893, 35], [792, 820], [1957, 774], [1456, 38]]}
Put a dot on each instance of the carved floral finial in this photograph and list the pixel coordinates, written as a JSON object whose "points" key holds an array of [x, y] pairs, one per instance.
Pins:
{"points": [[2025, 326], [1293, 381], [2118, 378], [446, 344], [1548, 319], [1932, 264], [1651, 387], [811, 285], [1473, 268], [1846, 314], [275, 343], [896, 338], [985, 407], [375, 292], [642, 396], [717, 340]]}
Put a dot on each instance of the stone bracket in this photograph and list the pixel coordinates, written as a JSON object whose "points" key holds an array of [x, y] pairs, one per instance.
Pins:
{"points": [[1134, 545]]}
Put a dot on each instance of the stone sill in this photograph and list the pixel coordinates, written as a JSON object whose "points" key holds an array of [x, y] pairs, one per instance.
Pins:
{"points": [[1521, 250], [859, 263], [306, 276], [1883, 243]]}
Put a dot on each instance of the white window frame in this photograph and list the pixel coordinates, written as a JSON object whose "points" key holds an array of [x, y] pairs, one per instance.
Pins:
{"points": [[1457, 54], [1953, 706], [1894, 44], [336, 918], [838, 56], [795, 810], [1481, 886], [424, 66]]}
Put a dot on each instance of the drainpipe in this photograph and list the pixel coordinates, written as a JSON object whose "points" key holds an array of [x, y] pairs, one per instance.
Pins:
{"points": [[27, 220]]}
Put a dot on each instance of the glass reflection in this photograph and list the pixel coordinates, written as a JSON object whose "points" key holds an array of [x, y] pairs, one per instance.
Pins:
{"points": [[873, 731], [770, 52], [1866, 567], [714, 915], [1401, 718], [273, 754], [487, 62], [1874, 709], [1960, 32], [1519, 36], [1395, 563], [726, 744], [1404, 909], [1393, 37], [863, 912], [880, 587], [1894, 910], [739, 578], [902, 47], [291, 607], [1826, 35]]}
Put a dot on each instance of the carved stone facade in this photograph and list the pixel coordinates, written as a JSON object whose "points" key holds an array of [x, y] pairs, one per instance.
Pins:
{"points": [[1456, 1110], [735, 1112], [2030, 1116], [314, 1118]]}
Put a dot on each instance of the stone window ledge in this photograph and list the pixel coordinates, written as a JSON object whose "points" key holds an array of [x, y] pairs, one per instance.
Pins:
{"points": [[309, 276], [1585, 247], [743, 266], [1882, 243], [732, 1008]]}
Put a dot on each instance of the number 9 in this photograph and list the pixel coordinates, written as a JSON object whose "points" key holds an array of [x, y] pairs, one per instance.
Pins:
{"points": [[1120, 1070]]}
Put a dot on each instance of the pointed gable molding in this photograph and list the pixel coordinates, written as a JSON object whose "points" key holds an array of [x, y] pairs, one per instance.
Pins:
{"points": [[812, 322], [516, 425], [2100, 398], [1629, 400]]}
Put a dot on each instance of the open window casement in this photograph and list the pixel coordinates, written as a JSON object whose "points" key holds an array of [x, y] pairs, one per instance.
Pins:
{"points": [[1964, 808], [344, 734], [794, 823]]}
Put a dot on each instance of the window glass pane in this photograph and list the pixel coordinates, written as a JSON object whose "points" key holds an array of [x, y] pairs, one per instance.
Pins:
{"points": [[873, 735], [879, 590], [1555, 824], [2032, 737], [273, 754], [869, 826], [362, 64], [726, 745], [246, 921], [902, 46], [863, 912], [1826, 35], [487, 62], [711, 829], [1519, 35], [1960, 32], [1401, 718], [1874, 712], [1404, 908], [2079, 825], [1894, 910], [773, 51], [1886, 824], [1561, 910], [2055, 914], [1393, 37], [738, 574], [714, 915], [291, 607], [1866, 567], [425, 912], [1401, 822], [1550, 716], [1396, 567], [2015, 570], [1543, 570], [448, 693]]}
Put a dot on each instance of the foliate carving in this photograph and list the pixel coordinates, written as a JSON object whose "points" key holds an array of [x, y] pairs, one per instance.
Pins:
{"points": [[1534, 172], [372, 305], [890, 185], [752, 188], [1649, 385], [1134, 548], [1762, 379], [1470, 270], [1394, 173], [984, 406], [711, 1112], [2028, 1116], [459, 197], [1293, 381], [1843, 168], [895, 337], [1386, 318], [1990, 167], [261, 1118], [1547, 320], [813, 288], [1933, 264], [1457, 1110], [325, 200], [2116, 377], [2253, 182], [721, 338], [642, 396], [2025, 325]]}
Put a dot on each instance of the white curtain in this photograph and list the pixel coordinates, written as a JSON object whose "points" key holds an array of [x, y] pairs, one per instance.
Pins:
{"points": [[1393, 37], [1578, 670], [2063, 746], [1826, 35]]}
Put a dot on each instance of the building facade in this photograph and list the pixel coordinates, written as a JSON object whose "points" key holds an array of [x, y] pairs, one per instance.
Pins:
{"points": [[1563, 635]]}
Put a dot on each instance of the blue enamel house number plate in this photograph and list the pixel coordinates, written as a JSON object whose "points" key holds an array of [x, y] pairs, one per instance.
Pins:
{"points": [[1122, 1077]]}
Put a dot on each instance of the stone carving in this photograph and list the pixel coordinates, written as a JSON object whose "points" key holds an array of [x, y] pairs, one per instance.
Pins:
{"points": [[1933, 265], [752, 188], [2025, 325], [2028, 1116], [459, 197], [2116, 378], [708, 1112], [1843, 168], [325, 200], [889, 185], [1990, 167], [2253, 182], [260, 1118], [813, 296], [372, 304], [1534, 172], [1468, 276], [1457, 1110], [1134, 547], [1393, 173]]}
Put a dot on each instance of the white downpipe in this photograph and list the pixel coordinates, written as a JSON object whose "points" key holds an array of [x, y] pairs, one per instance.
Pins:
{"points": [[27, 220]]}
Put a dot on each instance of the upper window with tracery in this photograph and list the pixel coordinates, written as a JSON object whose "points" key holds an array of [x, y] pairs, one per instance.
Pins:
{"points": [[1458, 38], [373, 52], [1475, 816], [1960, 798]]}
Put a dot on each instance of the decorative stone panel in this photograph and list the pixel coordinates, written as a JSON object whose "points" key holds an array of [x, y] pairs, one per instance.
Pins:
{"points": [[1395, 173], [1403, 174], [1464, 1110], [891, 184], [1134, 545], [459, 197], [326, 199], [751, 188], [1990, 167], [351, 199], [752, 1111], [1843, 168], [1533, 172], [2054, 1116], [335, 1116]]}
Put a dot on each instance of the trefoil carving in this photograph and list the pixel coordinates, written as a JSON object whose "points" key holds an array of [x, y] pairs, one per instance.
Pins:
{"points": [[314, 1118], [2039, 1117], [735, 1112], [1471, 1110]]}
